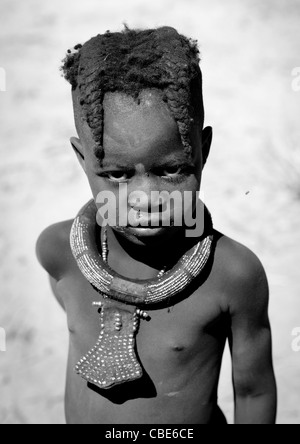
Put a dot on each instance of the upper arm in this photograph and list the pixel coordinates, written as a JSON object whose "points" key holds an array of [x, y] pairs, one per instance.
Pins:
{"points": [[54, 254], [250, 338], [54, 284]]}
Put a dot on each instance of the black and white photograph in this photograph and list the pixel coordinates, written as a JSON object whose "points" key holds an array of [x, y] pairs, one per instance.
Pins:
{"points": [[150, 214]]}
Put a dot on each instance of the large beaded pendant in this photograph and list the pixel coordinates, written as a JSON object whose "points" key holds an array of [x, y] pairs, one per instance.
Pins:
{"points": [[113, 360]]}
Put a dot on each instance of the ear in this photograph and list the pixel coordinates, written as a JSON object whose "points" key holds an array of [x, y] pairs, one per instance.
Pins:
{"points": [[79, 151], [207, 135]]}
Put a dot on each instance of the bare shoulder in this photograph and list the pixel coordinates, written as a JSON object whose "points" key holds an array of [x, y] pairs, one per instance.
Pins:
{"points": [[244, 281], [53, 249]]}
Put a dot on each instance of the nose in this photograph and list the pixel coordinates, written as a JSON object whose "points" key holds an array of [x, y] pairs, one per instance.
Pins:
{"points": [[140, 195]]}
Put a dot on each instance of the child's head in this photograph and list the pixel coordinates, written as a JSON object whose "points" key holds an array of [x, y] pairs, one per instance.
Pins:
{"points": [[139, 113]]}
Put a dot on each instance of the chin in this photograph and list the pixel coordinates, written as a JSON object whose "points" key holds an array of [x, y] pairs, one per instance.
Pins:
{"points": [[147, 236]]}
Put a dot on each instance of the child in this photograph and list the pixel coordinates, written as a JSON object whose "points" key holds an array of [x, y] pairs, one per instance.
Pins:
{"points": [[163, 302]]}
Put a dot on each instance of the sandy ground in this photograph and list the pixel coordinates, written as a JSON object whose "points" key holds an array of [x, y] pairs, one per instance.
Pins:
{"points": [[251, 183]]}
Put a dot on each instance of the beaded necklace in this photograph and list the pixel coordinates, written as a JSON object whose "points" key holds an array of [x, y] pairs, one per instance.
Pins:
{"points": [[113, 360]]}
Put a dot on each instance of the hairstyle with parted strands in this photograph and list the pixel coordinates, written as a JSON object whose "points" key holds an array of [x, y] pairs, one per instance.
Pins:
{"points": [[130, 62]]}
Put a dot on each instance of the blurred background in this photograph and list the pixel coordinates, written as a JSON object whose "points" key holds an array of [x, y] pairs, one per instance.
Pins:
{"points": [[251, 182]]}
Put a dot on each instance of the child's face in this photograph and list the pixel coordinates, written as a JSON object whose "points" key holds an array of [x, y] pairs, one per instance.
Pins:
{"points": [[142, 149]]}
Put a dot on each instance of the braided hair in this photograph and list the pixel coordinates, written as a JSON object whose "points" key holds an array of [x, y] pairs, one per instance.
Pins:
{"points": [[131, 61]]}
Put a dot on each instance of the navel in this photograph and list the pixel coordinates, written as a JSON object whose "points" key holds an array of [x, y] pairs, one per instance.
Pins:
{"points": [[178, 348]]}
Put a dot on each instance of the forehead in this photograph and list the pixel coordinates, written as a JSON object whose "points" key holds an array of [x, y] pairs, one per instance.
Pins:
{"points": [[139, 129]]}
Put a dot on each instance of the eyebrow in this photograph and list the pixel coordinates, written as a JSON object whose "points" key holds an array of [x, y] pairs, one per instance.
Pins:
{"points": [[173, 159], [113, 165]]}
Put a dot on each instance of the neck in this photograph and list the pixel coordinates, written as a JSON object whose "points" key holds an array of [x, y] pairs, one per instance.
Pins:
{"points": [[145, 261]]}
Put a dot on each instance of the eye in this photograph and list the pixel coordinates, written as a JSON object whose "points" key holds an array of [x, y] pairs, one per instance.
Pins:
{"points": [[172, 171], [117, 176]]}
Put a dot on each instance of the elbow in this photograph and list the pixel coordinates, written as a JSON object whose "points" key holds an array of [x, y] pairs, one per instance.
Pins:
{"points": [[255, 387], [248, 392]]}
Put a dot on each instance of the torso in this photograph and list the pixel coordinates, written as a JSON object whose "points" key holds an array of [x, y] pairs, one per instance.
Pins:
{"points": [[181, 349]]}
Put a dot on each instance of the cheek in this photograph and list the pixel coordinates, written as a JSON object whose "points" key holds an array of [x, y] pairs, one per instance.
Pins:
{"points": [[109, 201], [190, 197], [98, 185], [192, 183]]}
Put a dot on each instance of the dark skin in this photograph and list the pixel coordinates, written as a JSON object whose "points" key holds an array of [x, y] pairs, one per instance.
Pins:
{"points": [[181, 347]]}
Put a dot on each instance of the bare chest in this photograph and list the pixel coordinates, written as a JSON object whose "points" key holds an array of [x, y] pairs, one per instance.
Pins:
{"points": [[172, 336]]}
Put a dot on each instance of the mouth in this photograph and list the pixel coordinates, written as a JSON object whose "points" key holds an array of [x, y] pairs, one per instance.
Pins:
{"points": [[146, 231]]}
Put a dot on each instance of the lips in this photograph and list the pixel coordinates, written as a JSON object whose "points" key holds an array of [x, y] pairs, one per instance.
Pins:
{"points": [[153, 223], [146, 231]]}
